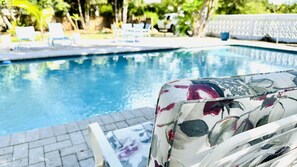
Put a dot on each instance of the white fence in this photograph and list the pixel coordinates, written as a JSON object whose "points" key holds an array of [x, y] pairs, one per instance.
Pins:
{"points": [[280, 27]]}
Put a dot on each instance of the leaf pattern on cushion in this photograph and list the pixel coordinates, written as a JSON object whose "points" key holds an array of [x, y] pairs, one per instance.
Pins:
{"points": [[259, 98], [194, 128], [245, 125], [262, 121], [223, 129], [268, 102], [214, 107]]}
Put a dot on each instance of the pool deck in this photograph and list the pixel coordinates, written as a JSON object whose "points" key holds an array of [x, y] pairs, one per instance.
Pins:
{"points": [[64, 145], [106, 47], [67, 144]]}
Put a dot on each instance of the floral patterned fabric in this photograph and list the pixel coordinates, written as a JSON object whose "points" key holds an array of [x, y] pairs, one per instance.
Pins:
{"points": [[132, 144], [192, 116]]}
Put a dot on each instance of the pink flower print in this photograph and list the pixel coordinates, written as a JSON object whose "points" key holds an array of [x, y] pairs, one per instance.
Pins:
{"points": [[129, 149], [201, 91]]}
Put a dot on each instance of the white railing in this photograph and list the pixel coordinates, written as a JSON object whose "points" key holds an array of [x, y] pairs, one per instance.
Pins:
{"points": [[280, 27]]}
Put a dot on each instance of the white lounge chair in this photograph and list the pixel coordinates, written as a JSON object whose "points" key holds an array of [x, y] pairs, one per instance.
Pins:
{"points": [[147, 30], [214, 122], [57, 35], [117, 32], [24, 34]]}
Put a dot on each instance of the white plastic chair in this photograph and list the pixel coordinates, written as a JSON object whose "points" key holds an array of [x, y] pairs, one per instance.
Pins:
{"points": [[24, 34], [56, 33]]}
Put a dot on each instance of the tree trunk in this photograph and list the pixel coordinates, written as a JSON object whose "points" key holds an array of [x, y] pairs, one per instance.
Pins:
{"points": [[116, 12], [125, 11], [6, 21], [205, 13], [81, 15], [87, 12], [70, 21]]}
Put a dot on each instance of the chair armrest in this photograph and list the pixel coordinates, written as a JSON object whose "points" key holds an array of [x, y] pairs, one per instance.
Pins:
{"points": [[242, 138], [101, 147]]}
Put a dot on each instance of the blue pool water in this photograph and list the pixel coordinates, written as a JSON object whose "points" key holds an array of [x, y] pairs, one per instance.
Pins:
{"points": [[43, 93]]}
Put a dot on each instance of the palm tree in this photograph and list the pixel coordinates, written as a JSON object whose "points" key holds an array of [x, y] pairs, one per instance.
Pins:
{"points": [[42, 16]]}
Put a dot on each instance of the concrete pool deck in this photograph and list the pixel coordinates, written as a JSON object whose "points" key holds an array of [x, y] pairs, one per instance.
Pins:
{"points": [[67, 144], [104, 47]]}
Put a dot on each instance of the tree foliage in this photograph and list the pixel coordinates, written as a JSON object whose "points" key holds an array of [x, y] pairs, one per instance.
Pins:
{"points": [[243, 7], [42, 16]]}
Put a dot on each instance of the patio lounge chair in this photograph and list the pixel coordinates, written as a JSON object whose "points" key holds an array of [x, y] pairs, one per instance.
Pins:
{"points": [[56, 34], [24, 34], [146, 30], [196, 119]]}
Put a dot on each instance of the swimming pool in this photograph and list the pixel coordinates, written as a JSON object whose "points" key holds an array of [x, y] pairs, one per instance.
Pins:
{"points": [[43, 93]]}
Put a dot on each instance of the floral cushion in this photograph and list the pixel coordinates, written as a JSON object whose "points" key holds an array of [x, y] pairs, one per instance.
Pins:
{"points": [[132, 144], [192, 116]]}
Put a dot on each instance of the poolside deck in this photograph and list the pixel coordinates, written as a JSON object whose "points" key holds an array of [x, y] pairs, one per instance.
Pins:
{"points": [[105, 47], [64, 145], [67, 144]]}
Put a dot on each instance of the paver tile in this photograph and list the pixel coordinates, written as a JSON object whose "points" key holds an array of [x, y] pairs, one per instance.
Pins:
{"points": [[32, 135], [36, 155], [110, 127], [53, 159], [106, 119], [72, 127], [6, 164], [5, 158], [63, 137], [70, 161], [46, 132], [83, 124], [18, 138], [5, 140], [42, 142], [85, 132], [117, 116], [76, 138], [96, 119], [41, 164], [73, 149], [59, 130], [84, 154], [20, 162], [127, 114], [6, 150], [87, 163], [57, 145], [135, 121], [121, 124], [20, 151]]}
